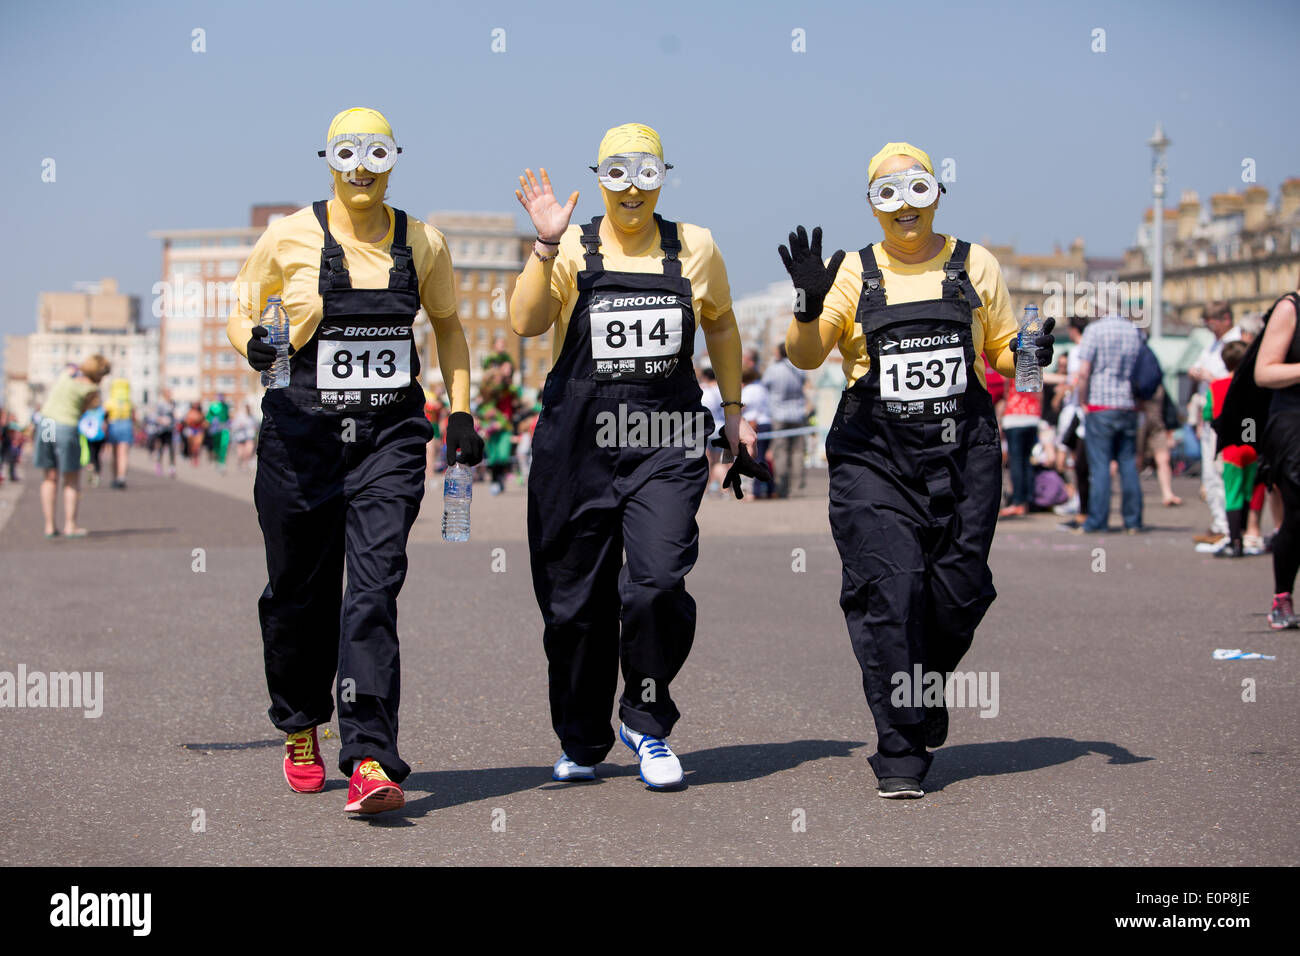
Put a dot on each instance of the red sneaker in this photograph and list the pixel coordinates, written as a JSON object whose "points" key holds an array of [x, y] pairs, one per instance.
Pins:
{"points": [[370, 790], [304, 770]]}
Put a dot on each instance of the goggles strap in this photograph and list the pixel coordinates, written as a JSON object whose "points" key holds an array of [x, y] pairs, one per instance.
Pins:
{"points": [[671, 246]]}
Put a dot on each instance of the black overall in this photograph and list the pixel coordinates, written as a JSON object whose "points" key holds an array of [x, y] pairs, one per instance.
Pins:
{"points": [[916, 478], [340, 472], [590, 497]]}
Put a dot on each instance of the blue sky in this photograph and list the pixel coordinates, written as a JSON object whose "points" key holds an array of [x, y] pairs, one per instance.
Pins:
{"points": [[1048, 136]]}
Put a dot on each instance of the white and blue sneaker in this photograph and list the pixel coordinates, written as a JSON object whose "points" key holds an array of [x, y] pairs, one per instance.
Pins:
{"points": [[660, 768], [566, 770]]}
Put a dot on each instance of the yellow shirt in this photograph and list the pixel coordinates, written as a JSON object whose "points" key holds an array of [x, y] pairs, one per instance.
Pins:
{"points": [[118, 409], [993, 327], [701, 263], [286, 262]]}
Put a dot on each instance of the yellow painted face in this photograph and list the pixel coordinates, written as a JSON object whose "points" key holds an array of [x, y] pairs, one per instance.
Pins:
{"points": [[630, 210], [906, 228], [360, 188]]}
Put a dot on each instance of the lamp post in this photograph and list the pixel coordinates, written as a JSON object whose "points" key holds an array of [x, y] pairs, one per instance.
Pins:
{"points": [[1158, 143]]}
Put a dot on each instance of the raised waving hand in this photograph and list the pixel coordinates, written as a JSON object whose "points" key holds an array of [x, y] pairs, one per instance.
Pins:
{"points": [[550, 219]]}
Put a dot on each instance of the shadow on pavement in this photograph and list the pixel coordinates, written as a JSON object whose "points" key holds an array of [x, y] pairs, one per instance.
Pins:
{"points": [[451, 788], [742, 762], [734, 764], [966, 761]]}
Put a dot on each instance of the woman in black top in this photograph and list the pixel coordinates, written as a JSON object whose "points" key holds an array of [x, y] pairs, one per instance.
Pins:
{"points": [[1277, 367]]}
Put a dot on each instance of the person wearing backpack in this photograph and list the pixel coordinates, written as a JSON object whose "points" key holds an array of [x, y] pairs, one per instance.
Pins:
{"points": [[1153, 436]]}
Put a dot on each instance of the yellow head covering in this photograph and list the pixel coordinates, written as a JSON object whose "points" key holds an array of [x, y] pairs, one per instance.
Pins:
{"points": [[898, 149], [630, 138], [359, 120]]}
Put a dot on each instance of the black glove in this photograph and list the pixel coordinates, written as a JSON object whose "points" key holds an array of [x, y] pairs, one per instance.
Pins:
{"points": [[1043, 343], [809, 274], [260, 352], [462, 437], [743, 465]]}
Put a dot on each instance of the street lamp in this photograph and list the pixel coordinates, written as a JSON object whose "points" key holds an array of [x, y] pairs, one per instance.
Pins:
{"points": [[1158, 143]]}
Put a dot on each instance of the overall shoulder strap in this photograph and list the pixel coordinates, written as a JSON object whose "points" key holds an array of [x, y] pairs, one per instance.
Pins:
{"points": [[956, 263], [873, 290], [956, 282], [593, 261], [333, 272], [399, 276], [671, 245]]}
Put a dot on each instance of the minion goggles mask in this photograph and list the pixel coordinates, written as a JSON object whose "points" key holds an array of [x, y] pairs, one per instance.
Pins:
{"points": [[913, 187], [620, 171], [375, 151]]}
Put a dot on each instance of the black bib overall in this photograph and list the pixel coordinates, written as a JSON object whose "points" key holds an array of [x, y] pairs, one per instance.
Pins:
{"points": [[916, 478], [618, 464], [340, 475]]}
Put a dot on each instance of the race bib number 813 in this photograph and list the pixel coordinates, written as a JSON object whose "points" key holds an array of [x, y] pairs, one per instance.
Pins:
{"points": [[368, 363]]}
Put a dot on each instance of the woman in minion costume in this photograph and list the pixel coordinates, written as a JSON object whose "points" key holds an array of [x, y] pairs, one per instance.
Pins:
{"points": [[121, 427], [341, 454], [623, 294], [914, 453]]}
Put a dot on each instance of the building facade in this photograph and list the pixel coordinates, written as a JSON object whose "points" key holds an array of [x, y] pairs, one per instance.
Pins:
{"points": [[72, 326], [192, 302], [487, 254], [763, 317], [1240, 248]]}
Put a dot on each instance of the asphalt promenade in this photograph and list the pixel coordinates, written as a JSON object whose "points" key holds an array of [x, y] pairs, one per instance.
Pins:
{"points": [[1117, 738]]}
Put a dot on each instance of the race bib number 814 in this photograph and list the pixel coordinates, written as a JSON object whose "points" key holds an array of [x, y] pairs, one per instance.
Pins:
{"points": [[635, 343]]}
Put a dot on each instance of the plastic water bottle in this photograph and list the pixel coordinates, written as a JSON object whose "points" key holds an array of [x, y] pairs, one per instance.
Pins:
{"points": [[276, 320], [457, 490], [1029, 375]]}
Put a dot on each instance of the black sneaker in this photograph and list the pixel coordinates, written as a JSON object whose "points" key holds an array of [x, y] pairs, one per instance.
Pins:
{"points": [[899, 788], [1234, 549], [936, 726]]}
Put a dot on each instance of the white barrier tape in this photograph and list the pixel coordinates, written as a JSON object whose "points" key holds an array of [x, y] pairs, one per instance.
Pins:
{"points": [[786, 432], [783, 433]]}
